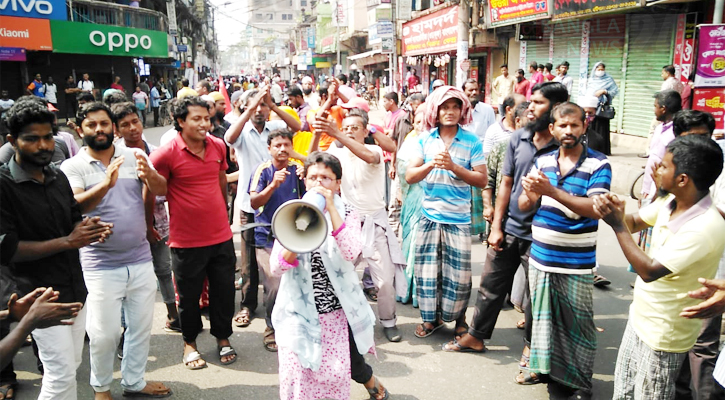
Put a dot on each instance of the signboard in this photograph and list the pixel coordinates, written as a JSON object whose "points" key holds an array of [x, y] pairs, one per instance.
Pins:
{"points": [[379, 31], [311, 37], [584, 58], [82, 38], [578, 8], [25, 33], [684, 46], [339, 13], [710, 70], [12, 54], [712, 101], [171, 13], [404, 9], [433, 33], [380, 13], [508, 12], [387, 45], [182, 48], [43, 9]]}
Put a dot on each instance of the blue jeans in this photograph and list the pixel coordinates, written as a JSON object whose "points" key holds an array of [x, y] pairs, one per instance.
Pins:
{"points": [[133, 288]]}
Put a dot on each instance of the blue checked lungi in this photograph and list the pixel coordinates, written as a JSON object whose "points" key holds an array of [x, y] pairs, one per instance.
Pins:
{"points": [[442, 269], [563, 335], [478, 224]]}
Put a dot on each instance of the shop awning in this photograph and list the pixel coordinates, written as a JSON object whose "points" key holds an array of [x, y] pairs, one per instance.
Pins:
{"points": [[365, 54]]}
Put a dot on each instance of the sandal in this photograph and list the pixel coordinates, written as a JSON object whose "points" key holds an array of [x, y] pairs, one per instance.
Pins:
{"points": [[528, 378], [524, 362], [270, 344], [243, 318], [371, 294], [460, 331], [600, 281], [225, 351], [426, 331], [455, 347], [164, 392], [375, 391], [190, 358], [4, 389], [521, 324]]}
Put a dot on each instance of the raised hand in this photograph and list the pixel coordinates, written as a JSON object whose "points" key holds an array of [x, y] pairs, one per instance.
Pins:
{"points": [[112, 171]]}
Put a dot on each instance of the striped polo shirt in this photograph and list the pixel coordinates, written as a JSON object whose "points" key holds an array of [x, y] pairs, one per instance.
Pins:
{"points": [[564, 242], [447, 198]]}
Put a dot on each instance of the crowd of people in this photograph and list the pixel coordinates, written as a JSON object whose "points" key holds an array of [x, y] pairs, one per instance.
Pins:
{"points": [[85, 230]]}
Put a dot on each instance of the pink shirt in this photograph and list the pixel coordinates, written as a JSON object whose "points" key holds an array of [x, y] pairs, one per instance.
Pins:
{"points": [[662, 136]]}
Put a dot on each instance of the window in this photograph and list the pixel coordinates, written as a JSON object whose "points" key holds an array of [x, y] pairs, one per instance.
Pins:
{"points": [[269, 17], [286, 17], [258, 17], [303, 3]]}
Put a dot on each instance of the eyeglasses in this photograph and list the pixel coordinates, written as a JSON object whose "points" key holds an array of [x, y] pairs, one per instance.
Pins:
{"points": [[325, 180], [353, 128]]}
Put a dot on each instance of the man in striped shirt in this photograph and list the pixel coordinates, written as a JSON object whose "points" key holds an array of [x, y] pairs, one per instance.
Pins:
{"points": [[563, 252]]}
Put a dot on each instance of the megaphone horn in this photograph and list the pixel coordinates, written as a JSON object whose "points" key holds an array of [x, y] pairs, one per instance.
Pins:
{"points": [[300, 225]]}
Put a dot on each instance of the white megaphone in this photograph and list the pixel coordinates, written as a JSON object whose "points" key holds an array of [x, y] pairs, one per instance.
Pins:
{"points": [[300, 225]]}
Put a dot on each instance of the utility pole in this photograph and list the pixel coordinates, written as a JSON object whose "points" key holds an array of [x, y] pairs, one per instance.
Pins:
{"points": [[462, 48], [394, 55]]}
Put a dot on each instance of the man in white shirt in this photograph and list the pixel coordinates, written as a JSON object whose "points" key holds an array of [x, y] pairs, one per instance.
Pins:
{"points": [[563, 78], [483, 114], [311, 96], [86, 84], [502, 87], [670, 81], [51, 92], [363, 187]]}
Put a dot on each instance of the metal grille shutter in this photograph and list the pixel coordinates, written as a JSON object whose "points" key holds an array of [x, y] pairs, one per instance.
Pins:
{"points": [[607, 45], [567, 47], [537, 50], [650, 45]]}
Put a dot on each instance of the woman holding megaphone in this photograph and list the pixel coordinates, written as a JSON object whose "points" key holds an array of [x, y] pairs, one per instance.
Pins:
{"points": [[323, 322]]}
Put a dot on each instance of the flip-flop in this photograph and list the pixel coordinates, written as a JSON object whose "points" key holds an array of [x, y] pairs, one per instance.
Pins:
{"points": [[147, 395], [190, 358], [461, 349], [600, 281], [458, 334], [243, 318], [524, 362], [528, 379], [227, 351], [521, 324], [428, 332], [4, 389], [270, 344]]}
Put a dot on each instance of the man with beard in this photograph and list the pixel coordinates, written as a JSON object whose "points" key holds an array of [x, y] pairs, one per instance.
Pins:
{"points": [[200, 239], [560, 187], [109, 182], [449, 160], [273, 183], [248, 136], [39, 209], [311, 97], [510, 236]]}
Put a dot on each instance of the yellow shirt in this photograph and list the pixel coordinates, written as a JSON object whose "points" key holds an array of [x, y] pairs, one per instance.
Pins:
{"points": [[690, 246]]}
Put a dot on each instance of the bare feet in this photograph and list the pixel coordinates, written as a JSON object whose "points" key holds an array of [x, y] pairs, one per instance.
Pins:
{"points": [[103, 396]]}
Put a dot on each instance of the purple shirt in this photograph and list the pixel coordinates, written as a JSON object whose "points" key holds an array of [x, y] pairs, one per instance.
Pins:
{"points": [[662, 137]]}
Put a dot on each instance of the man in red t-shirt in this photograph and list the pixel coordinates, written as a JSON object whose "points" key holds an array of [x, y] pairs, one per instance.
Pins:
{"points": [[413, 81], [522, 85], [194, 165]]}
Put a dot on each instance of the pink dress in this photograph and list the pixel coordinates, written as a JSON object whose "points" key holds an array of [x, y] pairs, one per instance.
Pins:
{"points": [[332, 379]]}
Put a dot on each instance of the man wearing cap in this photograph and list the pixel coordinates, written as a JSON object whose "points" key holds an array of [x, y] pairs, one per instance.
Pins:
{"points": [[308, 88], [236, 112]]}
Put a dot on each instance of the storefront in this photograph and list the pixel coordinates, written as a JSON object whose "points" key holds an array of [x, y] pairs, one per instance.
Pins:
{"points": [[21, 38], [429, 44]]}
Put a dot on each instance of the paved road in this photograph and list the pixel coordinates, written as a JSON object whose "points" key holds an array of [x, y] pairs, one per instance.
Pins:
{"points": [[413, 369]]}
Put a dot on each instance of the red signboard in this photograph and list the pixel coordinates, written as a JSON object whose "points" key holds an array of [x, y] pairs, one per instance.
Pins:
{"points": [[712, 101], [684, 46], [507, 12], [434, 33]]}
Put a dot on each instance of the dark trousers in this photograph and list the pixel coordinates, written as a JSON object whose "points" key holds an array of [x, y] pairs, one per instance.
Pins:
{"points": [[496, 280], [156, 115], [191, 266], [7, 375], [249, 269], [71, 109], [360, 371], [695, 381]]}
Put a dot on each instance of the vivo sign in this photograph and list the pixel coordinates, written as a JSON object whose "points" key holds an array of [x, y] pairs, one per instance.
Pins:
{"points": [[45, 9]]}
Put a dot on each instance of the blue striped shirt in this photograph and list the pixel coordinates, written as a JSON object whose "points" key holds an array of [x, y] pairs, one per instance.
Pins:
{"points": [[447, 198], [564, 242]]}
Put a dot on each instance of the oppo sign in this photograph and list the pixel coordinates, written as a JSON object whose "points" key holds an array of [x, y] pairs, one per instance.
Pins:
{"points": [[116, 40]]}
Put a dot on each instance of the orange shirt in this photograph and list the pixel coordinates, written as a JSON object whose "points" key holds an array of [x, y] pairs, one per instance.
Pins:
{"points": [[336, 112]]}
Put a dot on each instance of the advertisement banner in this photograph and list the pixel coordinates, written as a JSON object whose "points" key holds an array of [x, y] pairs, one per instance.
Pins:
{"points": [[311, 37], [42, 9], [684, 46], [82, 38], [564, 9], [508, 12], [405, 9], [171, 13], [710, 70], [25, 33], [712, 101], [12, 54], [433, 33]]}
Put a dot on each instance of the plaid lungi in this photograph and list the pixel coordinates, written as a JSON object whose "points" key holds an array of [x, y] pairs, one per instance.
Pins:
{"points": [[478, 224], [442, 269], [563, 335], [644, 373]]}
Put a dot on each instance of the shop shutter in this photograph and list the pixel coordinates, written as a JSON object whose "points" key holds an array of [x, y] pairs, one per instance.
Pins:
{"points": [[650, 44], [567, 47], [537, 50], [606, 44]]}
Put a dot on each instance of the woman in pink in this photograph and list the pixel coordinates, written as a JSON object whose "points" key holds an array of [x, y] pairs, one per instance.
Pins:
{"points": [[322, 321]]}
